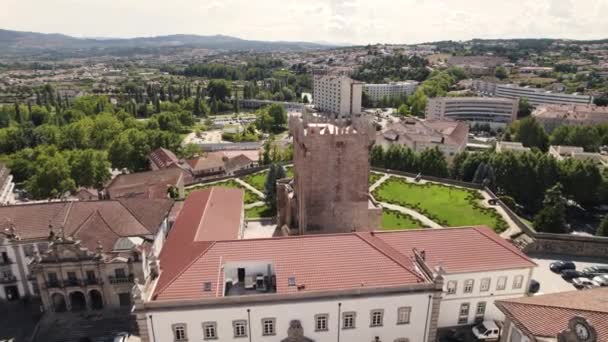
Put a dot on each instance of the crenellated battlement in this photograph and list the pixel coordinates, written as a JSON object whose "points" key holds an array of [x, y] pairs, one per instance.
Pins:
{"points": [[321, 127]]}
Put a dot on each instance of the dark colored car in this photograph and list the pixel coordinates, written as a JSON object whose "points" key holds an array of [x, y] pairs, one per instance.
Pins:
{"points": [[534, 287], [560, 266], [596, 270], [571, 274]]}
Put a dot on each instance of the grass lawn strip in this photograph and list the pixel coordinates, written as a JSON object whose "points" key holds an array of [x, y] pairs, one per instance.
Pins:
{"points": [[394, 220], [262, 211], [446, 205], [250, 196]]}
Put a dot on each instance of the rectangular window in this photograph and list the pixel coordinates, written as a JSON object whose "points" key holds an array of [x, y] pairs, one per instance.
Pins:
{"points": [[91, 275], [28, 250], [376, 318], [468, 285], [518, 282], [52, 276], [209, 330], [268, 326], [502, 283], [463, 314], [179, 332], [240, 328], [321, 322], [451, 289], [481, 311], [403, 315], [43, 247], [71, 275], [120, 273], [485, 284], [348, 320]]}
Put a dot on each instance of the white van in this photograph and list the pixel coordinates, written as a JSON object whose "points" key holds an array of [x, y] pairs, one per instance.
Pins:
{"points": [[486, 331]]}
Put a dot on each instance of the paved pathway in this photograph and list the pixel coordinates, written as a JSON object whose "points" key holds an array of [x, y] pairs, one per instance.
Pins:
{"points": [[513, 228], [248, 186], [379, 181], [253, 205], [413, 213]]}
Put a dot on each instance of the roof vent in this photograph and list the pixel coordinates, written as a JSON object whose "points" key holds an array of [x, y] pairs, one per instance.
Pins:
{"points": [[207, 286], [291, 281]]}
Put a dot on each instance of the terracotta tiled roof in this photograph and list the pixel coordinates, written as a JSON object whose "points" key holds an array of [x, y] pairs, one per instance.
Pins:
{"points": [[211, 161], [206, 215], [32, 221], [474, 249], [239, 162], [253, 155], [318, 262], [548, 315], [163, 158], [149, 184]]}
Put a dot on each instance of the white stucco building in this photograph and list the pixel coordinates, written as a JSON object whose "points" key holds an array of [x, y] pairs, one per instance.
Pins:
{"points": [[535, 96], [335, 94], [497, 112], [377, 92]]}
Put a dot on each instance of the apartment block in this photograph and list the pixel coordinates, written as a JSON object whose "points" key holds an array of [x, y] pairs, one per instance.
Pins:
{"points": [[377, 92], [535, 96], [337, 95], [497, 112]]}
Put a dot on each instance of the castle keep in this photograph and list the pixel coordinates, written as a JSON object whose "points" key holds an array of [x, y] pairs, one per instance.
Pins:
{"points": [[329, 192]]}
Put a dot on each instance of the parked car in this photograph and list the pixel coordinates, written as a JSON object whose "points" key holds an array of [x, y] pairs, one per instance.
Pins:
{"points": [[601, 279], [571, 274], [534, 287], [486, 331], [581, 283], [596, 270], [561, 265]]}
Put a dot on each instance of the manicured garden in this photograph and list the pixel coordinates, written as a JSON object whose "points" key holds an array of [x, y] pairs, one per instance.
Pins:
{"points": [[259, 212], [446, 205], [257, 180], [394, 220], [250, 197], [374, 177]]}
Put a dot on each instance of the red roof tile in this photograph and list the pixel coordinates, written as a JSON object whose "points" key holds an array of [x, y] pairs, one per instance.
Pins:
{"points": [[163, 158], [458, 250], [149, 184], [548, 315]]}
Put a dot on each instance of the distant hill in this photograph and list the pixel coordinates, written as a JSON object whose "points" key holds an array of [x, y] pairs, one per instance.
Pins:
{"points": [[24, 43]]}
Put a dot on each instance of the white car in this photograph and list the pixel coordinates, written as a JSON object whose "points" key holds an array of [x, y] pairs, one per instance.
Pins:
{"points": [[581, 283], [486, 331], [601, 279]]}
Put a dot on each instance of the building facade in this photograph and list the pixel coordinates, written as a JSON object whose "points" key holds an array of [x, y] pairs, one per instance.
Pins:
{"points": [[450, 137], [6, 185], [31, 234], [497, 112], [329, 192], [553, 116], [535, 96], [377, 92], [337, 95]]}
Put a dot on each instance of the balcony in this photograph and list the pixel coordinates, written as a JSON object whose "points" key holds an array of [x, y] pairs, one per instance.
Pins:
{"points": [[72, 282], [54, 284], [93, 281], [8, 279], [121, 280]]}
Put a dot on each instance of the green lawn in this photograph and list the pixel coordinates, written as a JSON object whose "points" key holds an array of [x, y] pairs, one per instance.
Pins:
{"points": [[257, 180], [259, 212], [373, 178], [250, 197], [446, 205], [394, 220]]}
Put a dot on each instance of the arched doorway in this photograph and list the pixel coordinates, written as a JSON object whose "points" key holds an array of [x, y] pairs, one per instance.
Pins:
{"points": [[77, 301], [96, 300], [58, 301]]}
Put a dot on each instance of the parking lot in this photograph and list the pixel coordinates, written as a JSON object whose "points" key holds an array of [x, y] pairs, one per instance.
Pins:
{"points": [[551, 282]]}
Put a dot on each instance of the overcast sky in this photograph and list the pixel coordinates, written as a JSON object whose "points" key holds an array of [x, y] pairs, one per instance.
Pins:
{"points": [[340, 21]]}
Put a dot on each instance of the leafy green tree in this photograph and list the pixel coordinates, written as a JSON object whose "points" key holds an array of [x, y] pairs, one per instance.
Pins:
{"points": [[89, 168], [552, 218], [47, 135], [218, 90], [602, 229], [275, 172], [377, 156], [501, 73], [279, 116], [189, 151], [531, 134], [130, 150], [51, 177], [417, 103], [524, 109], [581, 181], [432, 162], [403, 110]]}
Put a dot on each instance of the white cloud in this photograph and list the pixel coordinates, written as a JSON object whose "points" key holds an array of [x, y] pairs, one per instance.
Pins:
{"points": [[354, 21]]}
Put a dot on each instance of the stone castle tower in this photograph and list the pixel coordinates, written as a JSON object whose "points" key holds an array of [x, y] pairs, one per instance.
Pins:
{"points": [[329, 192]]}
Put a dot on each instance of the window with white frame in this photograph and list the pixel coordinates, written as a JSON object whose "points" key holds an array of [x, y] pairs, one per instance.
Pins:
{"points": [[468, 285], [179, 332], [403, 315], [480, 311], [376, 318], [209, 330], [518, 282], [485, 284], [268, 326], [463, 314], [502, 283], [240, 328], [321, 323], [451, 287], [348, 320]]}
